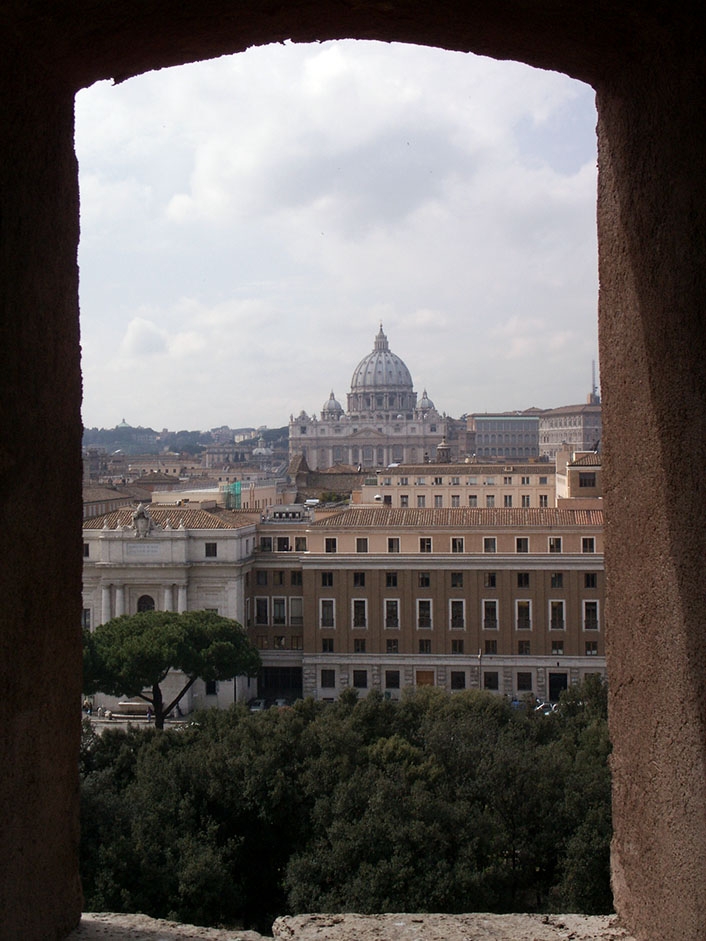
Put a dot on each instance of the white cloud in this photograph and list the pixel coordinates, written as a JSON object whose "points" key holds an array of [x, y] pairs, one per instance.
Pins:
{"points": [[143, 338]]}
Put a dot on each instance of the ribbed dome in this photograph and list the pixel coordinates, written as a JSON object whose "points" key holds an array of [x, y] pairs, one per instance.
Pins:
{"points": [[425, 402], [381, 369]]}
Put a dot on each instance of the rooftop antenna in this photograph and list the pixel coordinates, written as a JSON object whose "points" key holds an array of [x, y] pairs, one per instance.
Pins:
{"points": [[593, 377]]}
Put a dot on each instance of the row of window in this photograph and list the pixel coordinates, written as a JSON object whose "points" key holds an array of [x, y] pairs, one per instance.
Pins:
{"points": [[421, 500], [491, 679], [490, 579], [392, 646], [457, 544], [456, 481], [456, 613]]}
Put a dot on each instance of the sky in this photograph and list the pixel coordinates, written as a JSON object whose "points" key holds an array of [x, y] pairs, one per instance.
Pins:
{"points": [[248, 222]]}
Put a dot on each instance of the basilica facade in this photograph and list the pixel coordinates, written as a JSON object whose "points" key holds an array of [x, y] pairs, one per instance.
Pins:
{"points": [[384, 423]]}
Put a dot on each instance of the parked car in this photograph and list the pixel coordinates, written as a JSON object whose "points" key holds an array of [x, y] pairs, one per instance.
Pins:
{"points": [[545, 708], [257, 705]]}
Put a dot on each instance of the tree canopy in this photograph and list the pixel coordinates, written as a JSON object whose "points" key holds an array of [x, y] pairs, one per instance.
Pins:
{"points": [[135, 652]]}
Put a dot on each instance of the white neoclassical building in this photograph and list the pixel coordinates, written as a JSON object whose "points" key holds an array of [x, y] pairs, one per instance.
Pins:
{"points": [[383, 424], [169, 559]]}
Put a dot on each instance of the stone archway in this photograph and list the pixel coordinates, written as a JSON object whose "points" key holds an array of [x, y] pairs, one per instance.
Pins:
{"points": [[648, 71]]}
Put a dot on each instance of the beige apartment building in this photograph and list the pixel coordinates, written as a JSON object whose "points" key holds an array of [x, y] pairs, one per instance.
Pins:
{"points": [[442, 486], [578, 427], [507, 600]]}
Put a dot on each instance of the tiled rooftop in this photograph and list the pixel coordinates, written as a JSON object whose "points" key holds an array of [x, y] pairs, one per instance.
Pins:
{"points": [[504, 466], [192, 519], [458, 517], [587, 460]]}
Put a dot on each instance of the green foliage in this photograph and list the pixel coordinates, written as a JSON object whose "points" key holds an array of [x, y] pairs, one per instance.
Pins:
{"points": [[134, 652], [435, 803]]}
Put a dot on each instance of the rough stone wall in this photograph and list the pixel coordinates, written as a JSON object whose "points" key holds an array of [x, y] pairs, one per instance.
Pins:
{"points": [[646, 62]]}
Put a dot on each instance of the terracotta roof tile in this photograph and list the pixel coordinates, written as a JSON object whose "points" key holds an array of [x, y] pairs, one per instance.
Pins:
{"points": [[458, 518], [192, 519], [587, 460]]}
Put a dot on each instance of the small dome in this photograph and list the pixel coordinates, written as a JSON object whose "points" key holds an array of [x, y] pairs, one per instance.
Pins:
{"points": [[332, 406], [425, 402], [381, 369]]}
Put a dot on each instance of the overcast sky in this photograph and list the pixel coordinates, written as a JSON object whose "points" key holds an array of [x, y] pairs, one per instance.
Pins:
{"points": [[246, 223]]}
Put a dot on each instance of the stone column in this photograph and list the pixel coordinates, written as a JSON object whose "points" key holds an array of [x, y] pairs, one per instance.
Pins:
{"points": [[119, 600], [168, 597], [105, 603], [181, 598]]}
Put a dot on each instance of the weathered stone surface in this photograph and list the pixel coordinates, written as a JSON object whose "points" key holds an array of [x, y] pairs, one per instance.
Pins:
{"points": [[397, 927]]}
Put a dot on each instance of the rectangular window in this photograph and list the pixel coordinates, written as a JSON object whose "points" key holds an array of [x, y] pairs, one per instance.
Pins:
{"points": [[490, 680], [425, 646], [557, 579], [438, 500], [296, 579], [391, 579], [490, 615], [455, 481], [360, 612], [404, 481], [283, 543], [393, 544], [279, 611], [525, 499], [262, 642], [523, 579], [543, 499], [455, 500], [211, 688], [359, 645], [457, 645], [262, 611], [457, 543], [507, 481], [327, 645], [591, 648], [588, 544], [392, 612], [359, 579], [438, 481], [360, 679], [327, 608], [557, 648], [404, 500], [489, 544], [278, 578], [457, 579], [490, 580], [523, 648], [556, 616], [525, 481], [392, 645], [280, 642], [265, 543], [590, 615], [421, 501], [587, 479], [260, 577], [86, 619], [458, 679], [423, 579], [300, 543], [543, 481], [331, 544], [423, 612], [361, 544], [524, 682], [555, 543], [523, 615], [425, 544], [392, 679], [86, 550], [489, 482], [327, 579], [473, 499], [491, 647], [490, 501], [457, 616], [328, 679], [522, 544], [507, 500], [589, 580]]}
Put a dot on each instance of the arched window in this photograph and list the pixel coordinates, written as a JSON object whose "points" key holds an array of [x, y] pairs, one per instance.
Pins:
{"points": [[145, 603]]}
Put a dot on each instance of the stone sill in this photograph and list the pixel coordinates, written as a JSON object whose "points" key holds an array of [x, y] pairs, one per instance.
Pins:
{"points": [[397, 927]]}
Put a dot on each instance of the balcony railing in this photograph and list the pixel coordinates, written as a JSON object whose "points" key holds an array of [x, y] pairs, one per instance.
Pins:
{"points": [[296, 620], [524, 624], [392, 622], [423, 621], [360, 621], [327, 622], [490, 624], [557, 624], [458, 622], [590, 624]]}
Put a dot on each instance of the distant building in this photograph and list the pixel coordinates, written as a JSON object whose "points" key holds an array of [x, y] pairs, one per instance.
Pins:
{"points": [[384, 422], [576, 427], [507, 435], [579, 479]]}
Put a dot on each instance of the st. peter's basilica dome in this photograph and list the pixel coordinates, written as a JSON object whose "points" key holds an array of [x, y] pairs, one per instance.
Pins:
{"points": [[381, 369]]}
